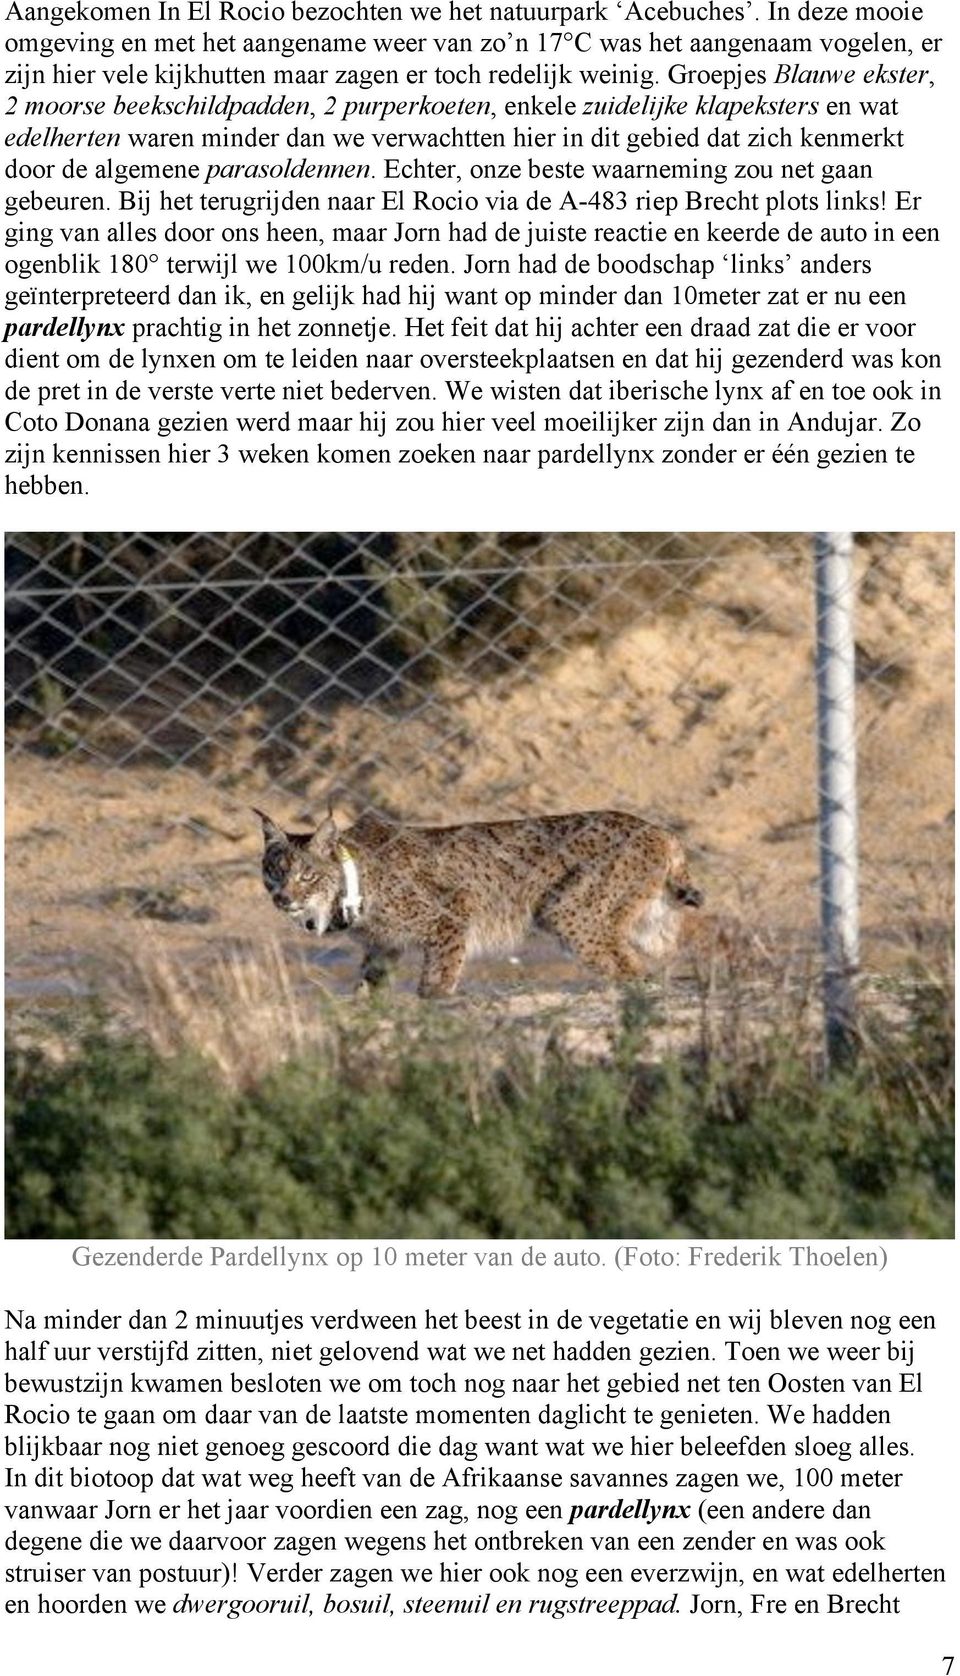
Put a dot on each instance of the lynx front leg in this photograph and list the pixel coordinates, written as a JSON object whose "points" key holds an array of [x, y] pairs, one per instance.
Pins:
{"points": [[443, 963], [377, 969], [445, 949]]}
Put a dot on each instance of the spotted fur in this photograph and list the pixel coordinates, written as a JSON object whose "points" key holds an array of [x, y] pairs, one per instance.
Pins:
{"points": [[608, 884]]}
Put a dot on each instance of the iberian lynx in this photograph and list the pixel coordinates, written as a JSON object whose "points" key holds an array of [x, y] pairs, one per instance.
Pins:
{"points": [[608, 884]]}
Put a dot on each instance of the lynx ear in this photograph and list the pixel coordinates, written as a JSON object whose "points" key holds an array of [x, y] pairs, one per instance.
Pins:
{"points": [[272, 833], [326, 834]]}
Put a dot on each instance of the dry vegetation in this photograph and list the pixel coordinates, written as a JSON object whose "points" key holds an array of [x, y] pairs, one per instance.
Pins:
{"points": [[180, 1067], [162, 1118]]}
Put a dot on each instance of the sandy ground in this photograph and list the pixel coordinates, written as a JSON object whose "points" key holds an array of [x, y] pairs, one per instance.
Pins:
{"points": [[701, 714]]}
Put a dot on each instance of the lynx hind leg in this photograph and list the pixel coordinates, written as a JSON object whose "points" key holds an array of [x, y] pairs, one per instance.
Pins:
{"points": [[578, 915], [609, 957]]}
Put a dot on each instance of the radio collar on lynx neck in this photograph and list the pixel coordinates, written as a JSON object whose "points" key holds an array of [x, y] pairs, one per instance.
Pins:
{"points": [[352, 904]]}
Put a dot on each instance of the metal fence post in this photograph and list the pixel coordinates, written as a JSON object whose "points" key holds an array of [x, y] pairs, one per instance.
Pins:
{"points": [[837, 787]]}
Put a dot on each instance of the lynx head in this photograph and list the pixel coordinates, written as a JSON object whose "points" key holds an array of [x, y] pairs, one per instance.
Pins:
{"points": [[301, 871]]}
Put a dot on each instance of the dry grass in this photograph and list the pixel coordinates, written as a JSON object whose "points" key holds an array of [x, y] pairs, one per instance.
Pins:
{"points": [[253, 1005], [242, 1012], [918, 1012], [251, 1010]]}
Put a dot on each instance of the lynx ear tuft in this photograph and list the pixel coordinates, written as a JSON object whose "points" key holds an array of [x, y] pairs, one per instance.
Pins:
{"points": [[272, 833]]}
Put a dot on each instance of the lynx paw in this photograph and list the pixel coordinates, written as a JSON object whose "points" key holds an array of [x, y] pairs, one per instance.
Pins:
{"points": [[436, 991]]}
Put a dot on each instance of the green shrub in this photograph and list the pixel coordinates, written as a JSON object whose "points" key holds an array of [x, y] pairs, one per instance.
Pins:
{"points": [[114, 1141]]}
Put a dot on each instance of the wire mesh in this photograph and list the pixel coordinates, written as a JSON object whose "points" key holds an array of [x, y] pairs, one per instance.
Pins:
{"points": [[160, 684]]}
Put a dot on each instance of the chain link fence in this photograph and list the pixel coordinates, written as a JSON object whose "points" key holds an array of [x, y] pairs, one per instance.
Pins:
{"points": [[160, 684]]}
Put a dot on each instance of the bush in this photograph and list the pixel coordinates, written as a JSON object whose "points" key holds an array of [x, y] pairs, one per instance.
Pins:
{"points": [[115, 1141]]}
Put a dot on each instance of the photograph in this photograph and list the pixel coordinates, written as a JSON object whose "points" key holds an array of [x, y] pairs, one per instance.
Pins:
{"points": [[479, 885]]}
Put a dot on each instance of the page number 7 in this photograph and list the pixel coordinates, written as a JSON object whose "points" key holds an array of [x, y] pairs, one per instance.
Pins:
{"points": [[948, 1659]]}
